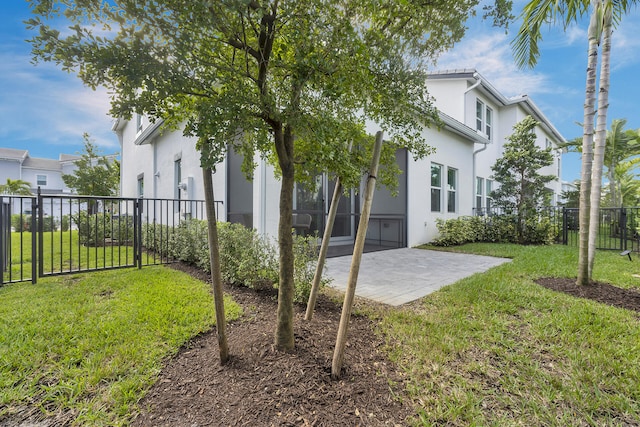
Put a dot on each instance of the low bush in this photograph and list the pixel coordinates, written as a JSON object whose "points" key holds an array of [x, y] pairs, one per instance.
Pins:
{"points": [[21, 222], [100, 228], [494, 229], [246, 258]]}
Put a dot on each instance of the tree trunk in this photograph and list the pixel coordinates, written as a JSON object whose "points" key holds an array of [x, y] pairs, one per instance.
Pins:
{"points": [[286, 288], [214, 260], [358, 247], [587, 152], [601, 135]]}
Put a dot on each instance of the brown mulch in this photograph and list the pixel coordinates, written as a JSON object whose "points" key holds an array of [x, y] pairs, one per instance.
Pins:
{"points": [[261, 386], [601, 292]]}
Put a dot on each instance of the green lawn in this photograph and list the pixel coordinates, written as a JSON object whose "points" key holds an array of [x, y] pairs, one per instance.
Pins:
{"points": [[497, 349], [63, 253], [492, 349], [93, 343]]}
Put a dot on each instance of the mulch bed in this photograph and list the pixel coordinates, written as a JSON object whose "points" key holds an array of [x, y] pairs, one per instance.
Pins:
{"points": [[601, 292], [261, 386]]}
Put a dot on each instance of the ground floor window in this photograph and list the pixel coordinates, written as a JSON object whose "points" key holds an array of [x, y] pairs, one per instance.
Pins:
{"points": [[452, 189], [489, 190], [141, 185], [436, 187], [479, 193]]}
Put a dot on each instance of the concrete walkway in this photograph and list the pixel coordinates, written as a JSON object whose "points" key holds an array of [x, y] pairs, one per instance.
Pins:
{"points": [[398, 276]]}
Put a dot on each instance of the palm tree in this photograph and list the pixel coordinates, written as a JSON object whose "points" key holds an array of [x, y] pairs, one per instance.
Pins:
{"points": [[16, 187], [621, 145], [604, 13]]}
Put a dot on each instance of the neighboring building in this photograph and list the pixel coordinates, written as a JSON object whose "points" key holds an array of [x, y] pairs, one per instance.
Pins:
{"points": [[454, 181], [39, 172]]}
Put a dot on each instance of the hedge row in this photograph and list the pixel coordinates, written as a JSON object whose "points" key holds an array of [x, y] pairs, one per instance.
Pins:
{"points": [[498, 229], [246, 258]]}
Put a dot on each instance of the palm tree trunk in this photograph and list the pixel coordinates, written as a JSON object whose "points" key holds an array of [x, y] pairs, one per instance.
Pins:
{"points": [[601, 133], [587, 151]]}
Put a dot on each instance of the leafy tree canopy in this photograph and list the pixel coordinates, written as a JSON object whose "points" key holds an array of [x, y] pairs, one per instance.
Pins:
{"points": [[320, 68], [95, 174]]}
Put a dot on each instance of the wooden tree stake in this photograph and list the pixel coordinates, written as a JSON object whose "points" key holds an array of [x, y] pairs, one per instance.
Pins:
{"points": [[358, 248]]}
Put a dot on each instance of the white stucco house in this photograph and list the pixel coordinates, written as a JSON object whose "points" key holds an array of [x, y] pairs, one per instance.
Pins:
{"points": [[454, 181], [39, 172]]}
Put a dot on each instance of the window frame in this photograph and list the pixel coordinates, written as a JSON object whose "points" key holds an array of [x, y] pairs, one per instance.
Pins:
{"points": [[479, 193], [138, 123], [38, 180], [484, 119], [140, 186], [452, 190], [488, 199], [436, 188]]}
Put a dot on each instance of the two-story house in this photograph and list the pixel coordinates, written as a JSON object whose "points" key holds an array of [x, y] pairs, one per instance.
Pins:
{"points": [[453, 181], [42, 173]]}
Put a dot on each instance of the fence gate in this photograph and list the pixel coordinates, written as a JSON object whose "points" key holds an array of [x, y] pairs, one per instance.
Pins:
{"points": [[57, 234]]}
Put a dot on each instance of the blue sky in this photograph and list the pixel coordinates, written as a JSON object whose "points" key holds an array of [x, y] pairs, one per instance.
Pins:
{"points": [[46, 110]]}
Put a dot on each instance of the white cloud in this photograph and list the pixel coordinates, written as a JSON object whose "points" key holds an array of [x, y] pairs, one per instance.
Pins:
{"points": [[44, 106], [625, 43], [491, 56]]}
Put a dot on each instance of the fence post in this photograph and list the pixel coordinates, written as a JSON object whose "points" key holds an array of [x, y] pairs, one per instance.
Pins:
{"points": [[623, 229], [565, 227], [137, 233], [37, 249], [5, 233]]}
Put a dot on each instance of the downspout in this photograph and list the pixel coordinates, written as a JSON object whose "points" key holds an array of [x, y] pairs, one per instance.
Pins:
{"points": [[475, 153]]}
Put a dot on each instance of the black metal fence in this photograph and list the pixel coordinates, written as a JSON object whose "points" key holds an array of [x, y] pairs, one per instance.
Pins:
{"points": [[618, 228], [60, 234]]}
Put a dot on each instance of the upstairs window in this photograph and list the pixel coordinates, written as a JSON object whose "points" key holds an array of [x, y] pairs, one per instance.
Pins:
{"points": [[138, 122], [41, 180], [484, 119]]}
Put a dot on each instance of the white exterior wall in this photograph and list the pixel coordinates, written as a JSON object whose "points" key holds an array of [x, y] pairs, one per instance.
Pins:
{"points": [[155, 161], [266, 199], [447, 97], [10, 169], [451, 151], [54, 179]]}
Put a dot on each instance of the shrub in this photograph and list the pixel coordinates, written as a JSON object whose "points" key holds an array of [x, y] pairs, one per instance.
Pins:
{"points": [[457, 231], [96, 229], [246, 258], [92, 228], [158, 238], [305, 252], [64, 222], [537, 230], [21, 222]]}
